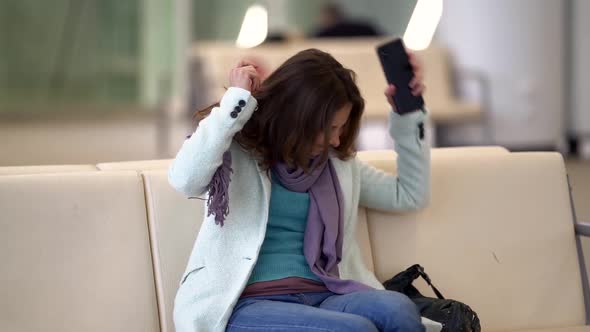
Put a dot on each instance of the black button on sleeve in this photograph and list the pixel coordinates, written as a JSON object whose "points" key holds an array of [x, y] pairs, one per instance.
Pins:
{"points": [[234, 114], [421, 129], [242, 103]]}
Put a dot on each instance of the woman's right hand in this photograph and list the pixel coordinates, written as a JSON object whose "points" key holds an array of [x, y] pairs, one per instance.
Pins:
{"points": [[245, 75]]}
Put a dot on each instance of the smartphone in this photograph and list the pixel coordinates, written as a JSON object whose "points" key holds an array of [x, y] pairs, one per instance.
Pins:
{"points": [[399, 72]]}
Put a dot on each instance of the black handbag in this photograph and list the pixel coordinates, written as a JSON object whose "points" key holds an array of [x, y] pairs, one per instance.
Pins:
{"points": [[453, 315]]}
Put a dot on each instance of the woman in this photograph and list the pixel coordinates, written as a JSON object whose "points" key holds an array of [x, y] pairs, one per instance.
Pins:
{"points": [[277, 249]]}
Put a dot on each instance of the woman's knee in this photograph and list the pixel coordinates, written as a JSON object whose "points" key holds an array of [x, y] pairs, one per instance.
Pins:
{"points": [[399, 300], [389, 311], [400, 311]]}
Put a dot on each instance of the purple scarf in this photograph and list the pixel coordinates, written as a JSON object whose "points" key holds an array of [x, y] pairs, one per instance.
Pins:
{"points": [[323, 236], [324, 230], [218, 202]]}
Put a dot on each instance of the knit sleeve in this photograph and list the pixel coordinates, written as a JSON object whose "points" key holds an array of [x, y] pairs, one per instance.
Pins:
{"points": [[410, 188], [203, 152]]}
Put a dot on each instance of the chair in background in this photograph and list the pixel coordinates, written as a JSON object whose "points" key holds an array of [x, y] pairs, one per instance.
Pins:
{"points": [[358, 54]]}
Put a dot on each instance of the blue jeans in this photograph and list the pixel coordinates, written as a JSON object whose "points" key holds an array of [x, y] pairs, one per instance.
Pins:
{"points": [[364, 311]]}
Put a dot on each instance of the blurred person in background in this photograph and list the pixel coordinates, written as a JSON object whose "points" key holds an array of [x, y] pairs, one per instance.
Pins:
{"points": [[333, 22], [275, 160]]}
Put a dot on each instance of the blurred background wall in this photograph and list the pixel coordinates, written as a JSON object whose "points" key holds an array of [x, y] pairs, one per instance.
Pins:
{"points": [[521, 47], [579, 68], [100, 55], [102, 80], [61, 53], [107, 55], [294, 15]]}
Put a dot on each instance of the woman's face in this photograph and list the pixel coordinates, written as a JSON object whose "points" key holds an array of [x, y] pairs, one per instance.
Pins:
{"points": [[338, 123]]}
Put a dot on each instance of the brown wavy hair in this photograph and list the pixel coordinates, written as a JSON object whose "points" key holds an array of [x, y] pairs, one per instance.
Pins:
{"points": [[295, 104]]}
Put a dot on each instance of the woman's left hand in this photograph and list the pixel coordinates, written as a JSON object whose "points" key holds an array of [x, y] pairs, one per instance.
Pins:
{"points": [[416, 84]]}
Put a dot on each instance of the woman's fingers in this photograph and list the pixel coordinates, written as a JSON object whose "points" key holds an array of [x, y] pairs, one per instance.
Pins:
{"points": [[246, 62], [242, 63], [418, 90], [416, 65], [416, 80], [245, 77], [414, 61], [253, 75], [389, 93], [416, 84], [255, 83]]}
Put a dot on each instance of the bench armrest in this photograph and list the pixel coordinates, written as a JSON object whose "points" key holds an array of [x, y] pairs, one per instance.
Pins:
{"points": [[582, 228]]}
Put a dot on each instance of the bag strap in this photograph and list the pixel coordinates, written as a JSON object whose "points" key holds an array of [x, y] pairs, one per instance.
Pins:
{"points": [[429, 282]]}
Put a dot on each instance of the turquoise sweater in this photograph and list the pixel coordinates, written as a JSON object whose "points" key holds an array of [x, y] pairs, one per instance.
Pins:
{"points": [[281, 254]]}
